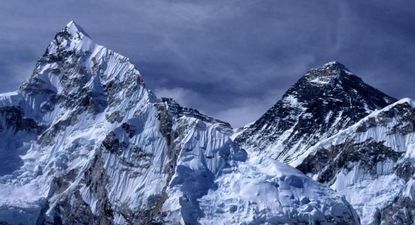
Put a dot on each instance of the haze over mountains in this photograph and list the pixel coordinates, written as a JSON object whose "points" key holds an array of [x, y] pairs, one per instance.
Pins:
{"points": [[84, 141]]}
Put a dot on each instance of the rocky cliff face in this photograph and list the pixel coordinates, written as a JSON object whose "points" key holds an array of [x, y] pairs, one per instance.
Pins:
{"points": [[87, 143]]}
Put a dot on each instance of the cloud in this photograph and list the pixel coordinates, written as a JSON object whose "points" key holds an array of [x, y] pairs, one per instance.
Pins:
{"points": [[223, 56], [246, 111]]}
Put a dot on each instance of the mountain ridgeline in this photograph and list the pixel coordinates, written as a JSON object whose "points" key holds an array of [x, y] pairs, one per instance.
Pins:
{"points": [[84, 141]]}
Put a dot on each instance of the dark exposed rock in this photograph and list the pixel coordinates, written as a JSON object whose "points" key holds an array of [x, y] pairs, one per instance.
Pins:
{"points": [[111, 142], [405, 169], [72, 210], [115, 117], [326, 163], [46, 138], [155, 216], [13, 118], [61, 183], [128, 129], [16, 132], [400, 212], [166, 122]]}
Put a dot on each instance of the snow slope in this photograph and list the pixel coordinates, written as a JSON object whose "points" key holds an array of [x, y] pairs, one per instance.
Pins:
{"points": [[372, 163], [273, 193], [88, 143]]}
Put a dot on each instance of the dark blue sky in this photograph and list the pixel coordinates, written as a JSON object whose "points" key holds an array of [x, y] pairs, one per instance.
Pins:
{"points": [[230, 59]]}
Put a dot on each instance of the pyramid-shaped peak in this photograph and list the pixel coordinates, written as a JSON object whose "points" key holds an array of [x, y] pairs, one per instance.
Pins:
{"points": [[73, 28]]}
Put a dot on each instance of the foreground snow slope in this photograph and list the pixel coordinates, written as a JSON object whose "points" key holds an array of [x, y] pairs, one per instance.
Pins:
{"points": [[87, 143], [272, 193]]}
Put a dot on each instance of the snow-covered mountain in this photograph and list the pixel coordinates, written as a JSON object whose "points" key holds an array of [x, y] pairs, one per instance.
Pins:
{"points": [[83, 141], [347, 135], [323, 102]]}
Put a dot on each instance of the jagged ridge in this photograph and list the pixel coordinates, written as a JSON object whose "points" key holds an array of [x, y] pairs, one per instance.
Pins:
{"points": [[103, 149]]}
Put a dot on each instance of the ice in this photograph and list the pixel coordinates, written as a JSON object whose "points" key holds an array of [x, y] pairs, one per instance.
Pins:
{"points": [[270, 193]]}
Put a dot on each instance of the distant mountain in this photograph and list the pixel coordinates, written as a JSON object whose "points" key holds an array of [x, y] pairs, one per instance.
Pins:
{"points": [[323, 102], [347, 135], [83, 141]]}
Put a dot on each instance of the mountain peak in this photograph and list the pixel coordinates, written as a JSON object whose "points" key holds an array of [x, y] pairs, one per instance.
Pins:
{"points": [[81, 74], [72, 38], [334, 65], [73, 28], [327, 73]]}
